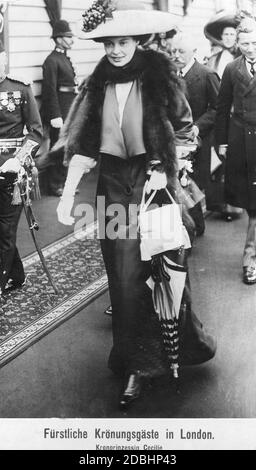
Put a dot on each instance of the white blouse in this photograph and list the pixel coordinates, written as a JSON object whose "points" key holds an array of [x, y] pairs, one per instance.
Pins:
{"points": [[122, 93]]}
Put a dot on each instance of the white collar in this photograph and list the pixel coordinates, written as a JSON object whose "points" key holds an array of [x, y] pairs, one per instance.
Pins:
{"points": [[249, 62], [188, 66], [58, 49]]}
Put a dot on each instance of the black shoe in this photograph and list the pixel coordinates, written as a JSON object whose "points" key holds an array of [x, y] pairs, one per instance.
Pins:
{"points": [[56, 192], [249, 274], [132, 390], [108, 310], [12, 285]]}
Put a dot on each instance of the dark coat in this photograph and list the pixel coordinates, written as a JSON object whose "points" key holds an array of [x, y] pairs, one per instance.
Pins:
{"points": [[58, 71], [202, 87], [167, 119], [238, 94], [202, 92]]}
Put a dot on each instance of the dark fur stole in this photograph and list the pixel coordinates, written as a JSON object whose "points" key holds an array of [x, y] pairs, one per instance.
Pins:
{"points": [[163, 107]]}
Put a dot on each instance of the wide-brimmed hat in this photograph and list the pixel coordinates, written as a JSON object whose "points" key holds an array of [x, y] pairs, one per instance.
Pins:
{"points": [[122, 18], [214, 28], [61, 29]]}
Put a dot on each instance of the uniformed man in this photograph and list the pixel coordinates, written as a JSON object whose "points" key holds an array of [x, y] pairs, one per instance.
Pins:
{"points": [[58, 91], [20, 134]]}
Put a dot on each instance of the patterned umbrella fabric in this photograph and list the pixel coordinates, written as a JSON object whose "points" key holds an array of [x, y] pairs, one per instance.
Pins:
{"points": [[167, 284]]}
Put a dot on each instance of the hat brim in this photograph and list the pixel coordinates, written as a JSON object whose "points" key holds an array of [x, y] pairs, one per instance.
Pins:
{"points": [[130, 23], [214, 28]]}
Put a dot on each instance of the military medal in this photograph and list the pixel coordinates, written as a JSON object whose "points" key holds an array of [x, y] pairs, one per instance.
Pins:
{"points": [[4, 98], [17, 97], [11, 107]]}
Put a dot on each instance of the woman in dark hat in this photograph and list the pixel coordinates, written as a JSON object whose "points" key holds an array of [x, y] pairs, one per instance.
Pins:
{"points": [[132, 119], [221, 31]]}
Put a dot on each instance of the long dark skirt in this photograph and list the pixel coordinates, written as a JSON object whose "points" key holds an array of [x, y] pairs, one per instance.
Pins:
{"points": [[137, 339]]}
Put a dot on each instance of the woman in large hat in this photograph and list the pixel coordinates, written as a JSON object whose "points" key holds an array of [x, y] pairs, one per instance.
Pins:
{"points": [[221, 32], [131, 118]]}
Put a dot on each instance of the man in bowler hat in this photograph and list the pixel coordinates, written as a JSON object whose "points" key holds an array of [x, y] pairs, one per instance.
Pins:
{"points": [[58, 91]]}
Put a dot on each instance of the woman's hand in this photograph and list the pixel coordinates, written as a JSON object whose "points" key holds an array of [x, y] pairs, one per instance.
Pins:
{"points": [[79, 165], [156, 181], [64, 210]]}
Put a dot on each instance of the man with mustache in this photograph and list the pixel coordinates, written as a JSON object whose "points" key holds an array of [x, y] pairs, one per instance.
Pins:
{"points": [[202, 86]]}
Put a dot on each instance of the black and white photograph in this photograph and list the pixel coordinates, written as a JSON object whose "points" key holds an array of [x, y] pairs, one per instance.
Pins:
{"points": [[127, 224]]}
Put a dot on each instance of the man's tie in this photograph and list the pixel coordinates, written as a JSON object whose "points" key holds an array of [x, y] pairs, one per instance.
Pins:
{"points": [[252, 70], [181, 74]]}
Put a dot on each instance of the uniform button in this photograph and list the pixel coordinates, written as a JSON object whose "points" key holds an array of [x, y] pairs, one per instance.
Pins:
{"points": [[128, 190]]}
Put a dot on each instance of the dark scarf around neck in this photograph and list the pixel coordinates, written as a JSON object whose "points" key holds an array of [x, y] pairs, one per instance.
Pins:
{"points": [[105, 72]]}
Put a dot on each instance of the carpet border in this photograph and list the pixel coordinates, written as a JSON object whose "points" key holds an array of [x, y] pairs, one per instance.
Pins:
{"points": [[54, 247], [18, 342]]}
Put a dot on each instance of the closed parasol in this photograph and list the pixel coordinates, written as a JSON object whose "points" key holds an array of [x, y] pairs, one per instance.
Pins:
{"points": [[167, 283]]}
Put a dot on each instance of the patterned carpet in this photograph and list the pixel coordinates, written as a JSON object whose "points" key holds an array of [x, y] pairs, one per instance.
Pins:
{"points": [[27, 314]]}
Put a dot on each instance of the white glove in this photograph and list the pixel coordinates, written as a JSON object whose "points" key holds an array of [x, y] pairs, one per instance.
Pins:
{"points": [[64, 209], [157, 181], [12, 165], [79, 164], [57, 123]]}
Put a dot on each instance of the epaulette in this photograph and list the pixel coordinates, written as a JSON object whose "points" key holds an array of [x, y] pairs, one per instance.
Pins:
{"points": [[18, 79]]}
